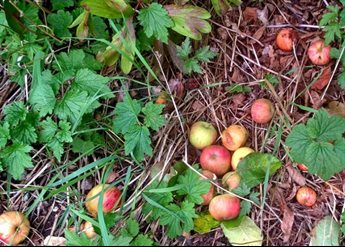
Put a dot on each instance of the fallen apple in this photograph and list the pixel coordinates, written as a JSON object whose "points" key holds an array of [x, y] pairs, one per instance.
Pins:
{"points": [[234, 137], [262, 111], [202, 134], [319, 53], [208, 197], [306, 196], [302, 167], [89, 230], [286, 38], [216, 159], [162, 98], [14, 228], [111, 199], [232, 180], [225, 207], [238, 155]]}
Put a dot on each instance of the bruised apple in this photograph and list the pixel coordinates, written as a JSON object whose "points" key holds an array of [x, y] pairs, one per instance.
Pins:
{"points": [[216, 159], [286, 39], [111, 199], [208, 197], [262, 111], [238, 155], [14, 227], [319, 53], [202, 134], [234, 137], [232, 180], [306, 196], [225, 207]]}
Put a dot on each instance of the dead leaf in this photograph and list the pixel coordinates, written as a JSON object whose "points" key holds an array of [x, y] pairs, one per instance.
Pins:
{"points": [[263, 15], [197, 106], [323, 80], [238, 100], [54, 241], [315, 100], [287, 223], [336, 108], [258, 34], [237, 76], [295, 175], [250, 14], [177, 88]]}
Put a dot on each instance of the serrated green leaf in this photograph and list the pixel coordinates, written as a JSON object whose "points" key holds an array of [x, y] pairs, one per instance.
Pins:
{"points": [[43, 99], [185, 49], [205, 55], [245, 208], [222, 6], [4, 134], [57, 148], [98, 28], [189, 20], [142, 240], [253, 168], [236, 88], [120, 241], [75, 239], [193, 187], [112, 9], [155, 21], [49, 129], [138, 142], [326, 233], [126, 115], [341, 80], [61, 4], [332, 31], [16, 159], [246, 234], [15, 112], [60, 22], [132, 227], [25, 133], [64, 133], [153, 117], [82, 146]]}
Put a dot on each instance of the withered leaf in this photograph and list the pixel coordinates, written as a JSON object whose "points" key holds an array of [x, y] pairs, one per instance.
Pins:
{"points": [[295, 175], [323, 80]]}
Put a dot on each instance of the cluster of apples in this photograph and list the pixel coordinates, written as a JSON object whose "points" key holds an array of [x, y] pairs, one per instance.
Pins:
{"points": [[318, 51], [217, 161]]}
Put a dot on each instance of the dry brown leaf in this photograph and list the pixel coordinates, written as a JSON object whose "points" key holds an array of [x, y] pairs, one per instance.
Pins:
{"points": [[237, 76], [238, 100], [316, 100], [287, 223], [197, 106], [323, 80], [177, 88], [336, 108], [296, 175], [250, 14], [263, 15], [258, 34]]}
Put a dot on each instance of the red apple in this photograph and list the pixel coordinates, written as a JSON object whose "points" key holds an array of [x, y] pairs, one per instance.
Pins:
{"points": [[234, 137], [208, 197], [232, 180], [306, 196], [202, 134], [262, 111], [216, 159], [319, 53], [111, 199], [225, 207], [14, 228], [302, 167], [286, 39]]}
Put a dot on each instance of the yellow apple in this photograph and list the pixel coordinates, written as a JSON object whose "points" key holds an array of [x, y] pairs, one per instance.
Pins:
{"points": [[234, 137], [14, 228], [238, 155]]}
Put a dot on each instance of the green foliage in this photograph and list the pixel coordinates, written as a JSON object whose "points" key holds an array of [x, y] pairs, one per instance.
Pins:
{"points": [[343, 223], [128, 122], [155, 21], [236, 88], [333, 21], [319, 144], [60, 22], [222, 6], [326, 233], [177, 215], [191, 63], [205, 223]]}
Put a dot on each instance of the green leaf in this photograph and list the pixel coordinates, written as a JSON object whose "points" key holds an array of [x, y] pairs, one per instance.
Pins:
{"points": [[330, 16], [43, 100], [126, 115], [142, 240], [74, 60], [222, 6], [15, 112], [16, 159], [236, 88], [332, 31], [246, 234], [327, 233], [273, 79], [242, 190], [75, 239], [341, 80], [153, 117], [57, 148], [194, 187], [61, 4], [25, 133], [319, 144], [205, 55], [253, 168], [64, 133], [4, 134], [71, 105], [98, 28], [204, 223], [189, 20], [112, 9], [82, 146], [60, 22], [162, 199], [155, 21], [184, 50], [49, 129], [138, 142], [132, 227], [94, 84], [176, 225], [245, 208], [120, 241]]}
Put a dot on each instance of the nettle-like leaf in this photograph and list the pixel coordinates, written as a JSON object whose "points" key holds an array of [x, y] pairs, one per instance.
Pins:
{"points": [[123, 44], [190, 21], [82, 21], [319, 144], [112, 9], [222, 6]]}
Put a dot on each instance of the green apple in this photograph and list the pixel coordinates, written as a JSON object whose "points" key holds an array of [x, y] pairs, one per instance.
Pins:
{"points": [[202, 134]]}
